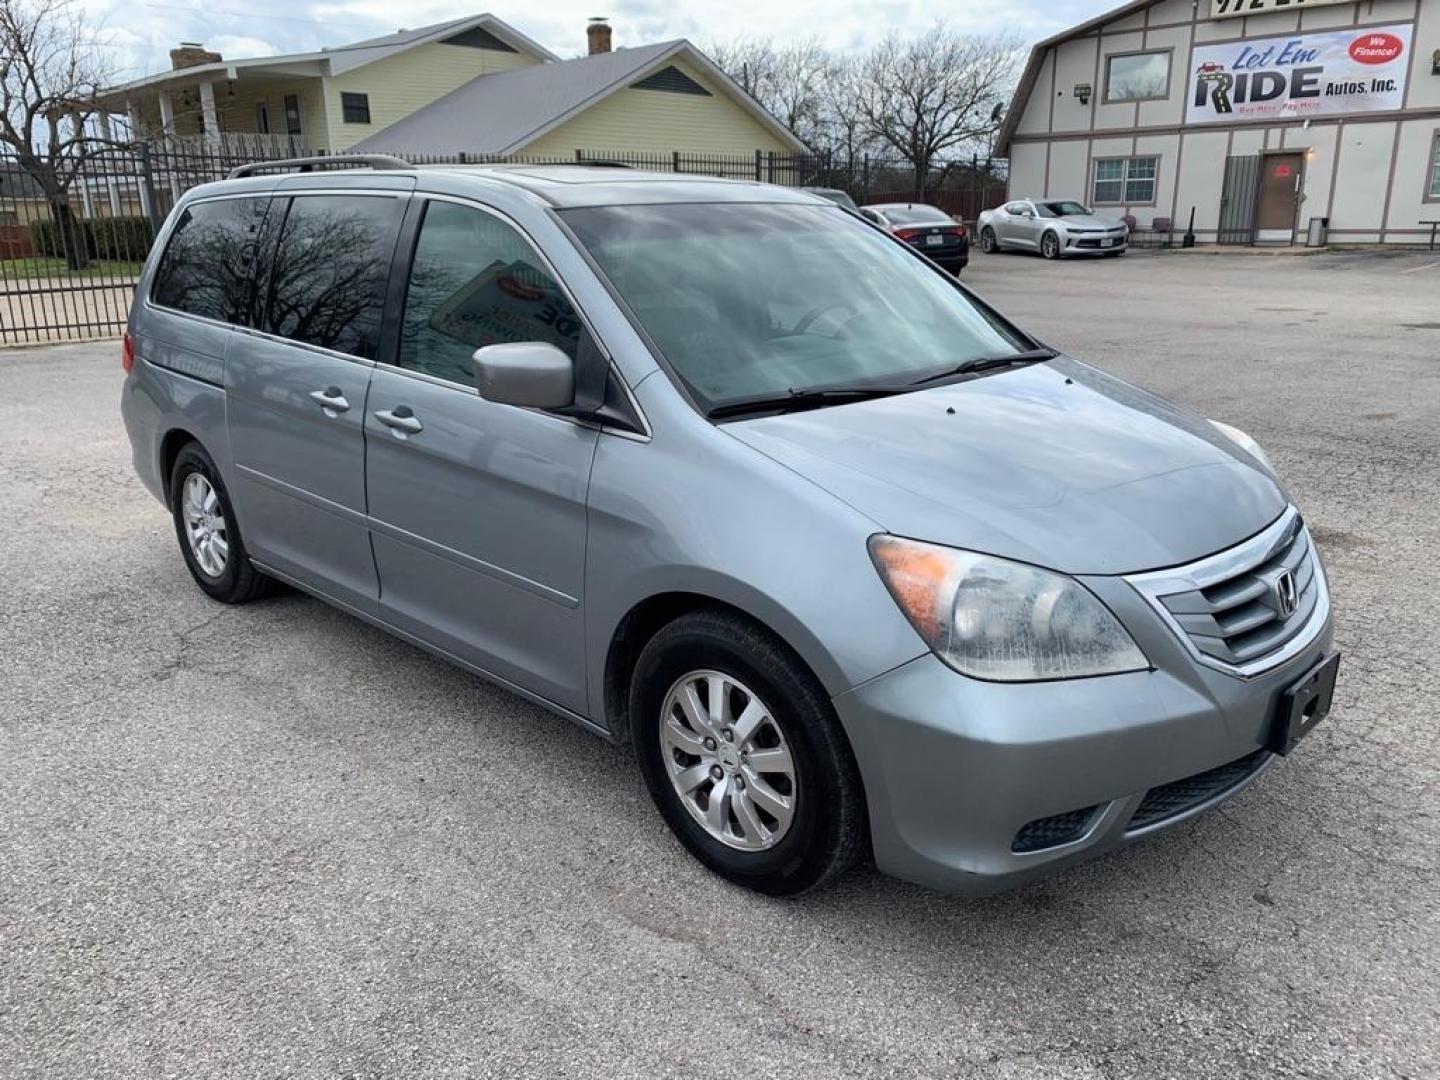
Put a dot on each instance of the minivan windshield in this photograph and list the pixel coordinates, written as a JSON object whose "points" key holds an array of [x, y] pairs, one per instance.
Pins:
{"points": [[747, 300]]}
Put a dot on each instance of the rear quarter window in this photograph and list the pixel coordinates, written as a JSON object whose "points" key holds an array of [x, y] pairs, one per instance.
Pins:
{"points": [[208, 267]]}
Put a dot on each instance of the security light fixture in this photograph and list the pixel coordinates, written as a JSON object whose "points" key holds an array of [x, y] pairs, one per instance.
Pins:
{"points": [[1082, 91]]}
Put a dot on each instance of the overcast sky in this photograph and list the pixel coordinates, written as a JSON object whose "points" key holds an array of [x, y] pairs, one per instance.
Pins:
{"points": [[144, 32]]}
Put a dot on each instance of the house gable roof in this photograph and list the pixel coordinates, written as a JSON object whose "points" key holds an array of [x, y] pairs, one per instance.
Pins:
{"points": [[519, 106], [1026, 85], [341, 58]]}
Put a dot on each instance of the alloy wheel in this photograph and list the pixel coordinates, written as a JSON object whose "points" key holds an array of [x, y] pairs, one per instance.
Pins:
{"points": [[728, 760], [205, 525]]}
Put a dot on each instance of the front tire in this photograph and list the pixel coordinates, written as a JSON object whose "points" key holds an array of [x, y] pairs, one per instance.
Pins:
{"points": [[208, 532], [744, 756], [1050, 246]]}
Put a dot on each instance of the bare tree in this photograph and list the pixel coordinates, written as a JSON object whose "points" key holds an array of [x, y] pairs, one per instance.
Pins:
{"points": [[51, 67], [842, 130], [788, 81], [932, 95]]}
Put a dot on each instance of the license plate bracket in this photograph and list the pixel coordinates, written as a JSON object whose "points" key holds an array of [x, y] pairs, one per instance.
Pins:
{"points": [[1303, 706], [934, 241]]}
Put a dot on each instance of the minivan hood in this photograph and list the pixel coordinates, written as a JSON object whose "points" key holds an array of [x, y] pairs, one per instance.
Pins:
{"points": [[1056, 464]]}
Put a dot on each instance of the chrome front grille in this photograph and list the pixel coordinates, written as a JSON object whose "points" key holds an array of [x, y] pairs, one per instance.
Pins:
{"points": [[1250, 607]]}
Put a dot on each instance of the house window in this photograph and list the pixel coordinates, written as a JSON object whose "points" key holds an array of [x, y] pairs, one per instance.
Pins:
{"points": [[292, 114], [1432, 190], [355, 108], [1125, 181], [1141, 76], [262, 118]]}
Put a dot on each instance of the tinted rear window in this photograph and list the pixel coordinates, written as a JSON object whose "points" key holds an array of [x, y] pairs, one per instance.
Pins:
{"points": [[906, 215], [330, 271], [209, 262]]}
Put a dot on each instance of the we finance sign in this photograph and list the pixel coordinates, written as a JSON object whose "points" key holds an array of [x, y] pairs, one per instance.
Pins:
{"points": [[1302, 75]]}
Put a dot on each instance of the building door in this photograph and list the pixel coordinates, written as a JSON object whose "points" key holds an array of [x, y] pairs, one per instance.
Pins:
{"points": [[1279, 198], [1237, 200]]}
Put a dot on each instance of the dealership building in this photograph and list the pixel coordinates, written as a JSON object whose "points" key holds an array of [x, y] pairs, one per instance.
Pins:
{"points": [[1257, 114]]}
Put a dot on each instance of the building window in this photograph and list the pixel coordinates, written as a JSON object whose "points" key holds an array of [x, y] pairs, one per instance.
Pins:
{"points": [[1137, 76], [1125, 181], [262, 118], [355, 108], [1432, 190]]}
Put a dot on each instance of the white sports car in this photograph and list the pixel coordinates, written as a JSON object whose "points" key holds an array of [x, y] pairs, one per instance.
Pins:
{"points": [[1053, 227]]}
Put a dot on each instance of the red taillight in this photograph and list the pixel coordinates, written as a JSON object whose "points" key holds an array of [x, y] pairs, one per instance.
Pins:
{"points": [[961, 232], [908, 234], [127, 353]]}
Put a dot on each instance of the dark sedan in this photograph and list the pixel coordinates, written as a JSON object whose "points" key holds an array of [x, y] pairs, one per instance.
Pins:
{"points": [[926, 228]]}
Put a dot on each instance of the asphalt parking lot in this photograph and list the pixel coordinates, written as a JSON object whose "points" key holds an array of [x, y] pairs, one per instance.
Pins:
{"points": [[271, 841]]}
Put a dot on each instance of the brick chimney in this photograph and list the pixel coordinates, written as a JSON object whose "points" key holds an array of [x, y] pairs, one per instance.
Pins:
{"points": [[192, 54], [598, 33]]}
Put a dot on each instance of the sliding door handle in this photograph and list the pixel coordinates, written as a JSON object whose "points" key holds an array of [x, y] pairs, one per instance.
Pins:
{"points": [[400, 420], [330, 399]]}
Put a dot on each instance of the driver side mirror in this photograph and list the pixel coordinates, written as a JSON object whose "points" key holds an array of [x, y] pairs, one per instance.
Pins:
{"points": [[527, 374]]}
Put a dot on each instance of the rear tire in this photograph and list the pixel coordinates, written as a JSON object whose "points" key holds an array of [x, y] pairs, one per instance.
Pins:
{"points": [[989, 242], [689, 749], [1050, 246], [208, 533]]}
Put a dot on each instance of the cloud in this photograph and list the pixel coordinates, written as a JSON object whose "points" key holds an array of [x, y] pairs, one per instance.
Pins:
{"points": [[143, 31], [242, 45]]}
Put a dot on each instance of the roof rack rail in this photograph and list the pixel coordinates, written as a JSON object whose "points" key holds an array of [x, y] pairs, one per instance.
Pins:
{"points": [[307, 164]]}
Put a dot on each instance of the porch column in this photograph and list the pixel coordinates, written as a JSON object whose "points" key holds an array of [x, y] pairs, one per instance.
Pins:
{"points": [[209, 117], [112, 189], [137, 133], [167, 127], [137, 126], [167, 115]]}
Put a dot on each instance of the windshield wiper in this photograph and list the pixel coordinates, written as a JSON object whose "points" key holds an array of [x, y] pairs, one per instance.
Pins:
{"points": [[794, 400], [984, 363]]}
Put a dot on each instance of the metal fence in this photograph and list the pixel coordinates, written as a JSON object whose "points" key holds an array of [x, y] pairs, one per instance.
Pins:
{"points": [[69, 262]]}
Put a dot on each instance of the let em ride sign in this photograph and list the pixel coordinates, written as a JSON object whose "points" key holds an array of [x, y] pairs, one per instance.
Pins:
{"points": [[1300, 75], [1229, 9]]}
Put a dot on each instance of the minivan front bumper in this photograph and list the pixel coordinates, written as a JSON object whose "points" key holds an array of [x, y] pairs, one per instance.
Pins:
{"points": [[977, 786]]}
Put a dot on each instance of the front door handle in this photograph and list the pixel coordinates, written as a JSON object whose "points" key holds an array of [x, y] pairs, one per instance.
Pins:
{"points": [[330, 399], [400, 420]]}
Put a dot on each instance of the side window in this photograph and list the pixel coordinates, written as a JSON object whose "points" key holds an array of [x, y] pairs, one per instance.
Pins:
{"points": [[327, 285], [476, 281], [208, 267]]}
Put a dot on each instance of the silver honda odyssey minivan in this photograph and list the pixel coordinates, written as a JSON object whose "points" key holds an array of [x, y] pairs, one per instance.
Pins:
{"points": [[858, 567]]}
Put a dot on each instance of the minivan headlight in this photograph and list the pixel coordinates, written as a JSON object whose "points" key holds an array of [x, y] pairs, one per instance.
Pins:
{"points": [[1245, 442], [1005, 621]]}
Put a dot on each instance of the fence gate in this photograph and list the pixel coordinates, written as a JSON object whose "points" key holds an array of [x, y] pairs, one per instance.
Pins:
{"points": [[1238, 198]]}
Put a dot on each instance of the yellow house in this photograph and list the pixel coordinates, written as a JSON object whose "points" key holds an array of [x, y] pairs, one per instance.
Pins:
{"points": [[472, 86]]}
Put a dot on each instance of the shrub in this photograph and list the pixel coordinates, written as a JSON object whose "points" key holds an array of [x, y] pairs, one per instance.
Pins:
{"points": [[126, 238]]}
